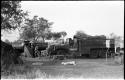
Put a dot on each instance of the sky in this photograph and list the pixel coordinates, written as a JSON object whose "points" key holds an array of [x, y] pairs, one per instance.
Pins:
{"points": [[92, 17]]}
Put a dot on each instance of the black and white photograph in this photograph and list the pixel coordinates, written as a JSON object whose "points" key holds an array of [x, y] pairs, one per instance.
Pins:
{"points": [[62, 39]]}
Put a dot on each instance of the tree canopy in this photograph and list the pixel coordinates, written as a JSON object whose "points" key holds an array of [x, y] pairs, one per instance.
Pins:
{"points": [[11, 15], [36, 28], [56, 35], [63, 33], [118, 39]]}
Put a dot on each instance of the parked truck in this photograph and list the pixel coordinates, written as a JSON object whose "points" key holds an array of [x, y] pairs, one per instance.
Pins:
{"points": [[56, 49], [60, 51], [94, 46]]}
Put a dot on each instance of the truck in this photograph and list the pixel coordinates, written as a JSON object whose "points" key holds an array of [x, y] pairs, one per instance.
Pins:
{"points": [[59, 51], [93, 46]]}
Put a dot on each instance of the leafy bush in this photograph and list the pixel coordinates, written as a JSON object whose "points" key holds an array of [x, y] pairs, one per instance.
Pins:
{"points": [[9, 56]]}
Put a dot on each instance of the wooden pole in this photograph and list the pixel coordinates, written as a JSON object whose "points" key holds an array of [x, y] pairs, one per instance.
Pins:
{"points": [[106, 54], [107, 45]]}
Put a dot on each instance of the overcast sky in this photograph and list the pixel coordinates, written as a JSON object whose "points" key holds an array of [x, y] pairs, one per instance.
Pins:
{"points": [[92, 17]]}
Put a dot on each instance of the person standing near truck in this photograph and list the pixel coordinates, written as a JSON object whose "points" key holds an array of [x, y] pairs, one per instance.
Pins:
{"points": [[122, 55], [37, 52], [118, 56], [33, 49]]}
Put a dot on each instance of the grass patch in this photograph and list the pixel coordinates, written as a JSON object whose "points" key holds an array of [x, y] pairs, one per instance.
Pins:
{"points": [[84, 69], [26, 72], [23, 72]]}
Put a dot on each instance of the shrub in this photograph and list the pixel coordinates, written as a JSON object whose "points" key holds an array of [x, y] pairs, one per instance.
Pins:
{"points": [[9, 56]]}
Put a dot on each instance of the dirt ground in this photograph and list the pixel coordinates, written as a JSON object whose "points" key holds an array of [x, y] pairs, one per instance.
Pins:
{"points": [[84, 68]]}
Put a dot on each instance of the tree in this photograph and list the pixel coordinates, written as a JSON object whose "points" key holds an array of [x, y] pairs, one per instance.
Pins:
{"points": [[11, 15], [36, 28], [63, 34], [49, 34], [56, 35], [28, 34], [11, 18], [118, 39]]}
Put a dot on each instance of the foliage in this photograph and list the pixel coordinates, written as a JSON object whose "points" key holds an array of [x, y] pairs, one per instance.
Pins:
{"points": [[49, 34], [9, 56], [28, 34], [56, 35], [36, 28], [11, 15], [11, 18], [63, 33], [118, 39]]}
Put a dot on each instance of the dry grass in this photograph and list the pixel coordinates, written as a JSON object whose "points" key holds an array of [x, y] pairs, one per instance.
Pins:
{"points": [[24, 72], [31, 74], [95, 68]]}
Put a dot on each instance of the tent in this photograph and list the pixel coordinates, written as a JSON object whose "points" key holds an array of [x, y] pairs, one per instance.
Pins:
{"points": [[28, 52]]}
